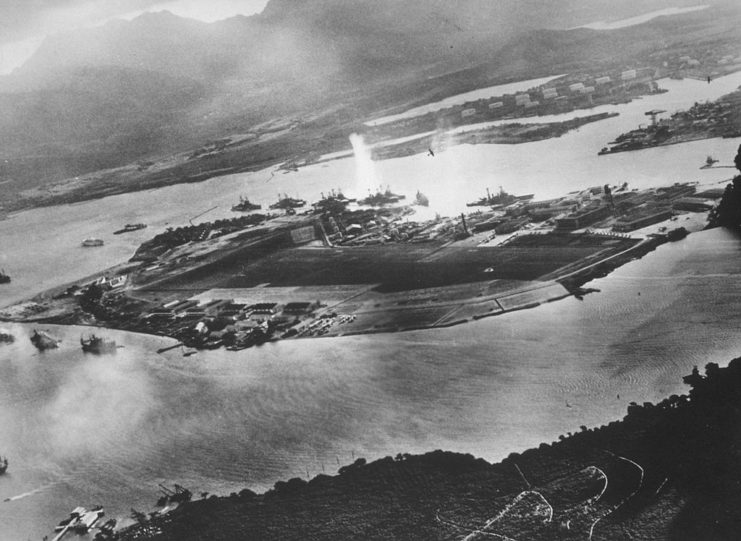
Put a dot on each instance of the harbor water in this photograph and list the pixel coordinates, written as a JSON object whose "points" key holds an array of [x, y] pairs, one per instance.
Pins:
{"points": [[85, 430]]}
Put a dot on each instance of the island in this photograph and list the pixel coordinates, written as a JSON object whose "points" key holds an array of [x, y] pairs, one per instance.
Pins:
{"points": [[348, 266]]}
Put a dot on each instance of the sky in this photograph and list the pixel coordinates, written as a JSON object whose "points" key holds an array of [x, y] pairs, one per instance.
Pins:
{"points": [[25, 23]]}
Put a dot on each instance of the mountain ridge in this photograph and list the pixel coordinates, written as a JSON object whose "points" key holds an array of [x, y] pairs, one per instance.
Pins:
{"points": [[338, 59]]}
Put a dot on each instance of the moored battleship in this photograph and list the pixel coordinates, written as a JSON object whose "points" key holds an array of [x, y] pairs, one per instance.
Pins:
{"points": [[334, 202], [97, 345], [287, 203], [245, 205], [43, 341], [500, 199], [381, 198]]}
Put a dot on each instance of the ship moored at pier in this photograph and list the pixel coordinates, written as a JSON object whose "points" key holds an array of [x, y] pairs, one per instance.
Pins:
{"points": [[80, 521], [500, 199], [245, 205], [382, 198], [288, 203]]}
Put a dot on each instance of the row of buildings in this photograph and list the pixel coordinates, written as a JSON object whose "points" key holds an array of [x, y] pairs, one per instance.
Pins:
{"points": [[563, 91], [631, 210]]}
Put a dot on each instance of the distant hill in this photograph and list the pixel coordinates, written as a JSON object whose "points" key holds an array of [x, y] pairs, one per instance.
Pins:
{"points": [[96, 106], [357, 38], [161, 82], [91, 118]]}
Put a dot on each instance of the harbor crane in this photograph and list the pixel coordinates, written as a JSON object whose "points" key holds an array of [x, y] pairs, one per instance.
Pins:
{"points": [[653, 113]]}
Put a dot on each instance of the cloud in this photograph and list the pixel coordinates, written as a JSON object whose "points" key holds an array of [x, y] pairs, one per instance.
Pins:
{"points": [[104, 400]]}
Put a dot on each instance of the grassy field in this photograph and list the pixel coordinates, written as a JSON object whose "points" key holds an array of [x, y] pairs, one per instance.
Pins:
{"points": [[402, 267]]}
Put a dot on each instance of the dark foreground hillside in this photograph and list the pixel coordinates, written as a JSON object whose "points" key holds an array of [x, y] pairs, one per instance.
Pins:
{"points": [[666, 471]]}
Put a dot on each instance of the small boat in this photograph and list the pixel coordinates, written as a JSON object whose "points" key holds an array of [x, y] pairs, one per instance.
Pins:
{"points": [[709, 162], [3, 465], [421, 199], [245, 205], [106, 531], [43, 341], [91, 243], [97, 345], [128, 228], [4, 278]]}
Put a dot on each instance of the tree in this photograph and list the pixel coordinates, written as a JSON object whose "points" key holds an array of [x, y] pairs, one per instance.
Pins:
{"points": [[728, 212]]}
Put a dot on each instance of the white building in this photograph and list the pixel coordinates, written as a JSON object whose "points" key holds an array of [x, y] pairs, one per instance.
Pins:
{"points": [[550, 93]]}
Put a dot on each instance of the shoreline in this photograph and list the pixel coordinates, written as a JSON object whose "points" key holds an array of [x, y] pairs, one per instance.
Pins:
{"points": [[288, 152], [648, 473], [474, 308], [248, 280], [510, 133], [181, 168], [702, 137]]}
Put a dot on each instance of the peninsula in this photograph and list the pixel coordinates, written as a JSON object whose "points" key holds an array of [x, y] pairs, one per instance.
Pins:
{"points": [[720, 118]]}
